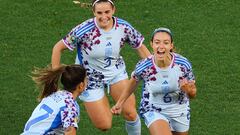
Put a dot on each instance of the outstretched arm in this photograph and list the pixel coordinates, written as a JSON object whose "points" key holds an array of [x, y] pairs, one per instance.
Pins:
{"points": [[56, 53], [117, 108], [143, 52]]}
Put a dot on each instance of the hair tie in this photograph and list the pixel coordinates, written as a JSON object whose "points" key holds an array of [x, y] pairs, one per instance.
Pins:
{"points": [[99, 0]]}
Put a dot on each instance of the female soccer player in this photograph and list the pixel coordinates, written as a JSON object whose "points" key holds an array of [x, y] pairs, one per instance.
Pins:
{"points": [[168, 85], [98, 42], [58, 111]]}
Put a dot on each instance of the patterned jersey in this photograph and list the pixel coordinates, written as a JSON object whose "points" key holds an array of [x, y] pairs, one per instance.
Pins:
{"points": [[99, 51], [161, 90], [54, 113]]}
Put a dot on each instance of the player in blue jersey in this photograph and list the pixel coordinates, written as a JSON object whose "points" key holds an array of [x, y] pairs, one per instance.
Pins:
{"points": [[98, 42], [58, 110], [168, 85]]}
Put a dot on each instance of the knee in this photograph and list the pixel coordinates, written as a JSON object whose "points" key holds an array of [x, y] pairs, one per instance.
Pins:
{"points": [[104, 126], [130, 115]]}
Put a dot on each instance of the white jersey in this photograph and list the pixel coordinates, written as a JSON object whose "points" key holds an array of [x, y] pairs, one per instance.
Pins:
{"points": [[161, 91], [99, 51], [54, 113]]}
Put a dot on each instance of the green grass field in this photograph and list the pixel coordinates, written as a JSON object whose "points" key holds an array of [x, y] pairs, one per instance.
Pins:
{"points": [[205, 31]]}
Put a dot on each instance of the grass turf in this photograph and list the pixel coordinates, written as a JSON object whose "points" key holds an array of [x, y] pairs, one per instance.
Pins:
{"points": [[206, 32]]}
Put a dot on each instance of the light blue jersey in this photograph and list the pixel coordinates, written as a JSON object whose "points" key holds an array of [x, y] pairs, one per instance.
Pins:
{"points": [[53, 115], [161, 91]]}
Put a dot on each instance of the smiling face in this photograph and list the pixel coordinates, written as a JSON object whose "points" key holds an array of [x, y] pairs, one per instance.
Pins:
{"points": [[103, 11], [162, 45]]}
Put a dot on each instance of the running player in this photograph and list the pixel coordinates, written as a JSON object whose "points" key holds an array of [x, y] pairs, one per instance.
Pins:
{"points": [[98, 42], [168, 85]]}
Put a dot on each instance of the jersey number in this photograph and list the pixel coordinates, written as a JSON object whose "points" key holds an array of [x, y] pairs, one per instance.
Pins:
{"points": [[40, 118], [167, 98]]}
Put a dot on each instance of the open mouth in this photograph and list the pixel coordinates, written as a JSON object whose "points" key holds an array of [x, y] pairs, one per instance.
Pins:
{"points": [[161, 53]]}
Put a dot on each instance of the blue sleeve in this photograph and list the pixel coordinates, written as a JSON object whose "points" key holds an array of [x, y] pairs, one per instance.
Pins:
{"points": [[133, 37]]}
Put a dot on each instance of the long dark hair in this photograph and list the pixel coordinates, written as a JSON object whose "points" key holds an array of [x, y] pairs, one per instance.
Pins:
{"points": [[47, 79]]}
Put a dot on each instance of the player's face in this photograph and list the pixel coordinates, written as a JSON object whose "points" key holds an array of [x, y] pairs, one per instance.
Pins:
{"points": [[103, 12], [161, 45]]}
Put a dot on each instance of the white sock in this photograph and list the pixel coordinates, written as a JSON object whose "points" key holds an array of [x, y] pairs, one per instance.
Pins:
{"points": [[133, 127]]}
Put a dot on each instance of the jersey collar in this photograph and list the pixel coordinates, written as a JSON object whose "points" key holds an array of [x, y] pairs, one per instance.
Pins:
{"points": [[170, 66]]}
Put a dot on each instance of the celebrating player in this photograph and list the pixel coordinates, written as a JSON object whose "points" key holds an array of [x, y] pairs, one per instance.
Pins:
{"points": [[98, 42], [58, 111], [168, 85]]}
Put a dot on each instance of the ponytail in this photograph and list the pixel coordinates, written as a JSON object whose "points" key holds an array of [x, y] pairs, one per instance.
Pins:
{"points": [[47, 79]]}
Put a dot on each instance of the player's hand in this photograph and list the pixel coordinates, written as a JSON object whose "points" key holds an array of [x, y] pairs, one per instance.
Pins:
{"points": [[189, 87], [70, 131], [116, 109]]}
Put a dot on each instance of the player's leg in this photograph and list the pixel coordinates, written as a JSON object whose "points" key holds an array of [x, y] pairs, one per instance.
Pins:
{"points": [[180, 125], [99, 113], [157, 123], [160, 127], [98, 108], [133, 123]]}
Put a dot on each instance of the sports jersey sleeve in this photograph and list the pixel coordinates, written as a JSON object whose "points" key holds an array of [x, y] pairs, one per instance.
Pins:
{"points": [[75, 37], [188, 74], [134, 38], [71, 40], [136, 74], [69, 115], [186, 67]]}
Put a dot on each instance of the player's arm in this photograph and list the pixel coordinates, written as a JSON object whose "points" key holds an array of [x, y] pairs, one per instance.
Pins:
{"points": [[56, 53], [117, 108], [70, 131], [143, 52]]}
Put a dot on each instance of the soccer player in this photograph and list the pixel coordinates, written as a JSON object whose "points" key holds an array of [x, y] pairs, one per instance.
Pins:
{"points": [[168, 85], [98, 42], [58, 111]]}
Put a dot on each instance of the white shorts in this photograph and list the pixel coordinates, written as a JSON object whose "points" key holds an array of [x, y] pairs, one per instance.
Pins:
{"points": [[178, 124], [98, 93]]}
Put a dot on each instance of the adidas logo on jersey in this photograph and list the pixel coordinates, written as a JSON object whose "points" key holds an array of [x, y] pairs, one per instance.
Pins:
{"points": [[165, 82], [109, 44]]}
